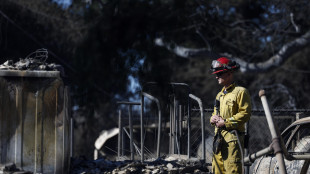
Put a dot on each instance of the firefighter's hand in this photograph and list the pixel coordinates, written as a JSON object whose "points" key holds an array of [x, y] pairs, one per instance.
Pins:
{"points": [[220, 122], [215, 119]]}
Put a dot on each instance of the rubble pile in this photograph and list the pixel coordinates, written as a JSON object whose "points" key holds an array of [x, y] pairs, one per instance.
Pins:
{"points": [[34, 61], [11, 168], [29, 64], [170, 165]]}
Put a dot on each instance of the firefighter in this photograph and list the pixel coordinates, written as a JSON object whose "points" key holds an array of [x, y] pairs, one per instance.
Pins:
{"points": [[229, 118]]}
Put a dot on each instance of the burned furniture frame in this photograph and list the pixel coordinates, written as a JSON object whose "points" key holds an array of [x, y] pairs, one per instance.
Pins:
{"points": [[173, 127]]}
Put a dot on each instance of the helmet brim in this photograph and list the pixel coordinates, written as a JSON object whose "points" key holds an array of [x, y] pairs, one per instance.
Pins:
{"points": [[222, 70], [234, 68]]}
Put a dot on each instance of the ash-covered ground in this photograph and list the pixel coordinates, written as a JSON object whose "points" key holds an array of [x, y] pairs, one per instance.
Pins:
{"points": [[171, 165]]}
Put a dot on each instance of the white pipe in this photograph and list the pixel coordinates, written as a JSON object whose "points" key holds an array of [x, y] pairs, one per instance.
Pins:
{"points": [[273, 131]]}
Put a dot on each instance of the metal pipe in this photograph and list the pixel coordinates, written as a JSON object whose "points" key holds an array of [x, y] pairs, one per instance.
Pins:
{"points": [[269, 150], [257, 111], [177, 126], [180, 128], [170, 130], [258, 154], [189, 129], [128, 103], [301, 157], [159, 120], [174, 126], [131, 133], [172, 123], [202, 125], [298, 116], [123, 142], [142, 128], [119, 133], [175, 134], [172, 83], [274, 133], [246, 149], [71, 136], [95, 154]]}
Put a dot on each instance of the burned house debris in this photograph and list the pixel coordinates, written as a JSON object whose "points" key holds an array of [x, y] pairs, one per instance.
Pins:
{"points": [[171, 164], [36, 61], [35, 116], [36, 129], [295, 136]]}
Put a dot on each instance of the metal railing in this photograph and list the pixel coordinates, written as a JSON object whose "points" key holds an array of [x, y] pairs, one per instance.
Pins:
{"points": [[202, 119], [159, 124], [120, 126]]}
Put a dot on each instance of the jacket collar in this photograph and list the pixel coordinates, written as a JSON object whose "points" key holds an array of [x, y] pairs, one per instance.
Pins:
{"points": [[228, 89]]}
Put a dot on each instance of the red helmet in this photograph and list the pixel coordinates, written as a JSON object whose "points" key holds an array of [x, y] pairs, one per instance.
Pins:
{"points": [[223, 64]]}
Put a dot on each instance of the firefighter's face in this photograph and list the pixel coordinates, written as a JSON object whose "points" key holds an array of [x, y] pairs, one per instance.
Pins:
{"points": [[224, 79]]}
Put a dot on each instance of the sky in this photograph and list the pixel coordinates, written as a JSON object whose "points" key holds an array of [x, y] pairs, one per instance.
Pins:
{"points": [[63, 3]]}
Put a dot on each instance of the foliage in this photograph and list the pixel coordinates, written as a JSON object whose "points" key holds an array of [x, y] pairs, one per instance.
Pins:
{"points": [[102, 42]]}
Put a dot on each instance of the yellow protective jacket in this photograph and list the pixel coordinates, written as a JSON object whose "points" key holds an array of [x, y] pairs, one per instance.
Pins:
{"points": [[235, 108]]}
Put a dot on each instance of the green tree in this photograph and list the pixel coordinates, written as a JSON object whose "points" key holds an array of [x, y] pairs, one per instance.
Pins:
{"points": [[102, 42]]}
